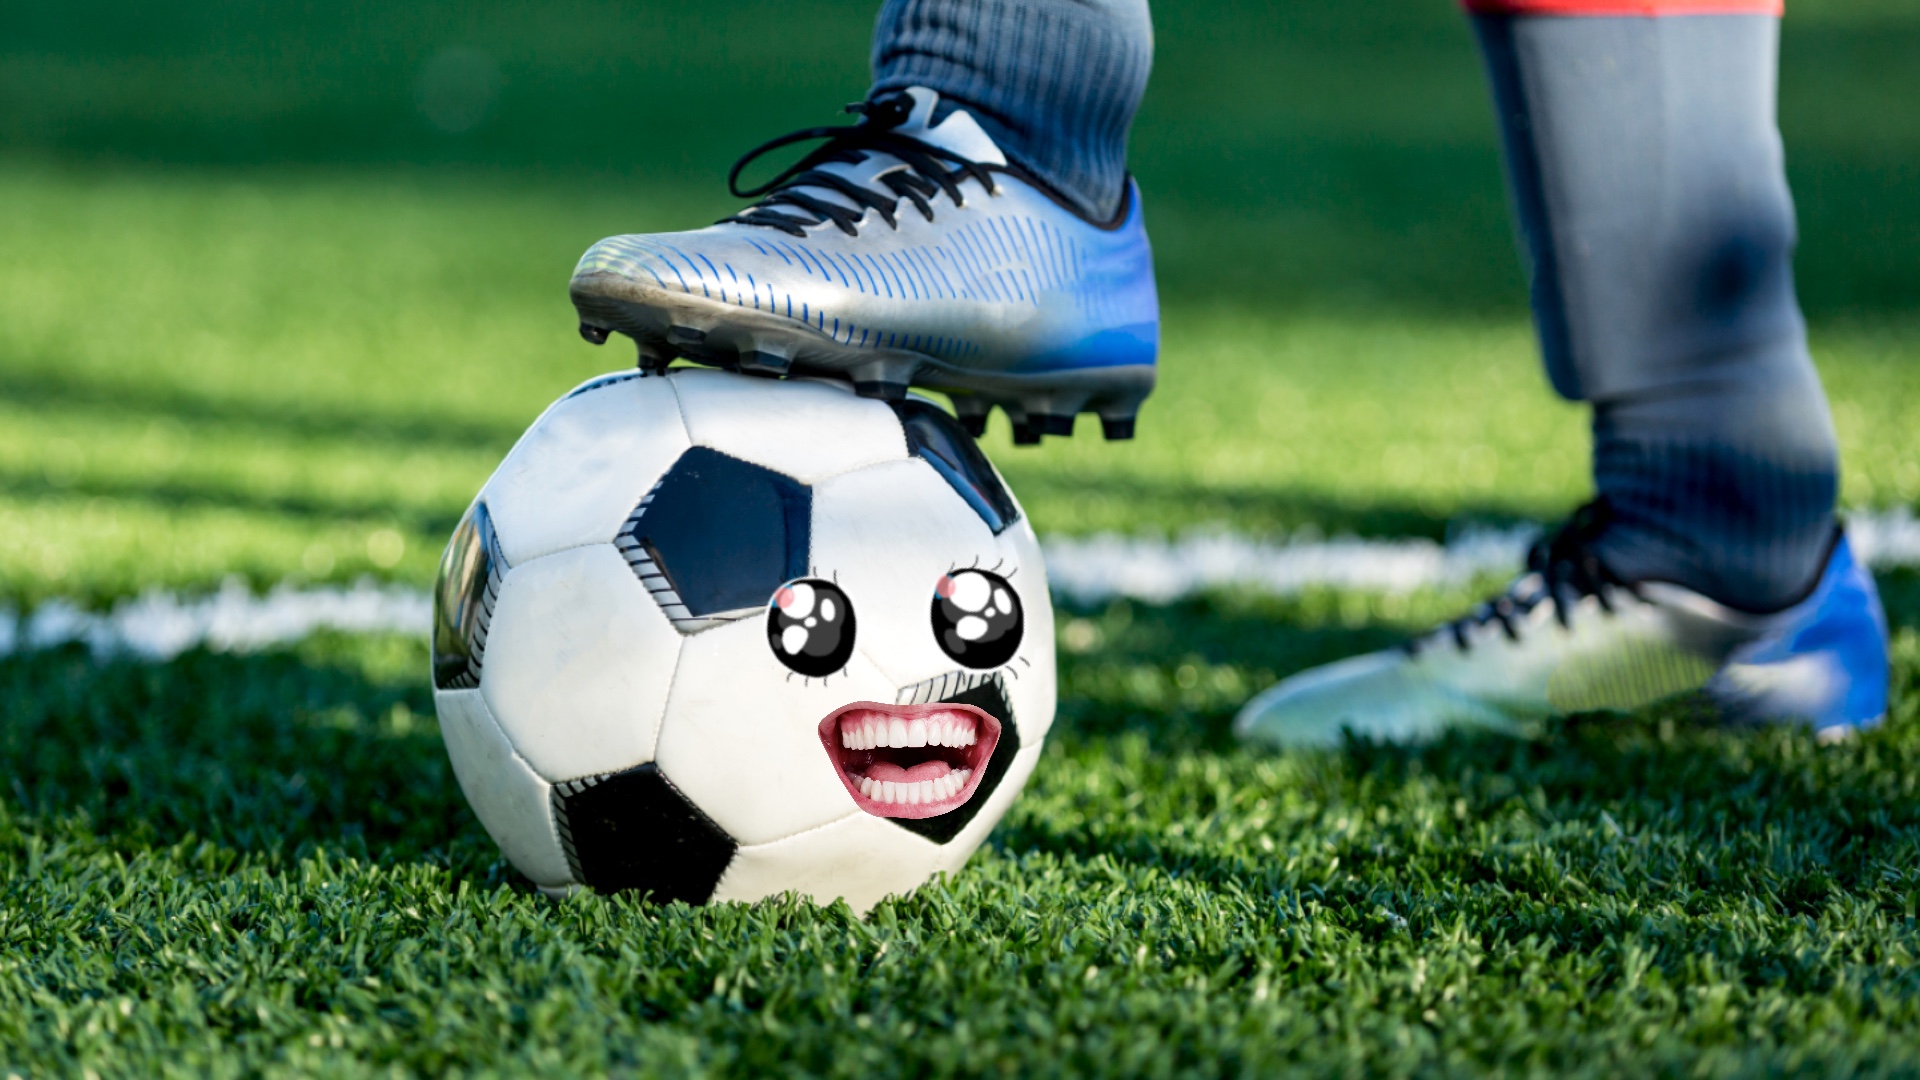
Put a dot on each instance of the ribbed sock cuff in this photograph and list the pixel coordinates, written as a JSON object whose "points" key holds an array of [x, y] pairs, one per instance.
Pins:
{"points": [[1744, 526]]}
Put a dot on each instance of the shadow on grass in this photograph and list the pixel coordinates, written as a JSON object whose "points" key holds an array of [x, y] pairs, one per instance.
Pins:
{"points": [[135, 400], [1691, 807], [1900, 595], [1177, 672], [1056, 503], [1660, 806], [332, 744], [167, 495], [1067, 500], [1316, 154]]}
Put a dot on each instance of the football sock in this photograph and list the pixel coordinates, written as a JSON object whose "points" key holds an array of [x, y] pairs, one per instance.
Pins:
{"points": [[1648, 180], [1054, 82]]}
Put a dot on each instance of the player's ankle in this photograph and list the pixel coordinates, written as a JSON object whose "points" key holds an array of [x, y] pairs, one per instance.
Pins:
{"points": [[1742, 517], [1759, 570], [1026, 71]]}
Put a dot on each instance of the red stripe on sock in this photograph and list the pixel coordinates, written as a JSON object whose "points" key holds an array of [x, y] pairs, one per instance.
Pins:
{"points": [[1626, 8]]}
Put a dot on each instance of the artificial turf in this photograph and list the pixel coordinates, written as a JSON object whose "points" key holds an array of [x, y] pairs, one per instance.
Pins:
{"points": [[257, 318], [261, 864]]}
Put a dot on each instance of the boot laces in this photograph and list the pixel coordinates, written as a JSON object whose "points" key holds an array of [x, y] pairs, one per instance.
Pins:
{"points": [[926, 174], [1562, 569]]}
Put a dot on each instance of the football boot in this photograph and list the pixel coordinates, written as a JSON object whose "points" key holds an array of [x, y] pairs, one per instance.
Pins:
{"points": [[1570, 636], [901, 251]]}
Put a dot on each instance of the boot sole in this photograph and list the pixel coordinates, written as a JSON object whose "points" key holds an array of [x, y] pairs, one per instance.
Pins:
{"points": [[761, 343]]}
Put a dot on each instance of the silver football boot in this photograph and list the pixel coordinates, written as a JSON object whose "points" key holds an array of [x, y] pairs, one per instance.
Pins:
{"points": [[901, 252], [1571, 637]]}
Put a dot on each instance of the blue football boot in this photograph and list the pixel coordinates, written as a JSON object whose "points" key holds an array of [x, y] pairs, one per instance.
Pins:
{"points": [[1569, 636], [901, 252]]}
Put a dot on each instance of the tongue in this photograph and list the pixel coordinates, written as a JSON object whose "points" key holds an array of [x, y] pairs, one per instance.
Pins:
{"points": [[926, 770], [959, 132]]}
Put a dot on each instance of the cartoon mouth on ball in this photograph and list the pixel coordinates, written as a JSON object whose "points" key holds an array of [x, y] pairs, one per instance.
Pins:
{"points": [[910, 761]]}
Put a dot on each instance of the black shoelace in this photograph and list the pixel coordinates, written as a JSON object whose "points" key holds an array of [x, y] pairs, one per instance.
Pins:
{"points": [[1568, 570], [926, 175]]}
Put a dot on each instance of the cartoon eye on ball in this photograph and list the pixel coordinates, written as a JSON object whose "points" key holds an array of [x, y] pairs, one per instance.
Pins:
{"points": [[977, 618], [810, 626]]}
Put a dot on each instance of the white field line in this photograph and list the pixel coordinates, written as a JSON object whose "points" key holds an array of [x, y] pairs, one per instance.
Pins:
{"points": [[160, 625], [1096, 568]]}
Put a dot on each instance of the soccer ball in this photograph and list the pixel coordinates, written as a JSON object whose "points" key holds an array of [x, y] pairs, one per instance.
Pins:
{"points": [[715, 637]]}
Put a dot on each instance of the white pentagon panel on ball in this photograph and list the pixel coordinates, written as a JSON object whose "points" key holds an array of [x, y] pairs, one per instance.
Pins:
{"points": [[805, 428], [742, 733], [887, 534], [579, 663], [512, 803], [955, 852], [861, 859], [585, 464]]}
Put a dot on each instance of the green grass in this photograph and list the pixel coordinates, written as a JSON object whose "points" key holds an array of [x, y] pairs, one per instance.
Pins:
{"points": [[253, 309], [292, 367], [257, 318], [261, 864]]}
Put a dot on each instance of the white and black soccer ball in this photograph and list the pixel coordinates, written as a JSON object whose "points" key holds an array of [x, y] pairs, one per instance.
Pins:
{"points": [[717, 637]]}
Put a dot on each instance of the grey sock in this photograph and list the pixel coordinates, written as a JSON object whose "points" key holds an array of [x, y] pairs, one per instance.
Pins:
{"points": [[1055, 82], [1650, 187]]}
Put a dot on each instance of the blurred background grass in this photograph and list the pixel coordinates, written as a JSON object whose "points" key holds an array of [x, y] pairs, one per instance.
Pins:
{"points": [[279, 283]]}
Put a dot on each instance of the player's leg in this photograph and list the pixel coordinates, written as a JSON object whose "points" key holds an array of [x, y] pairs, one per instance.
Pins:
{"points": [[973, 231], [1648, 180]]}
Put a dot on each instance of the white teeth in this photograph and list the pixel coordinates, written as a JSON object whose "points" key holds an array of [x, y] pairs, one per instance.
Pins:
{"points": [[914, 794], [876, 732]]}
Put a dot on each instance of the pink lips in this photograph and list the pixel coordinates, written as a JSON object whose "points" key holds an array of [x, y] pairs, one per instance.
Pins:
{"points": [[909, 761]]}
